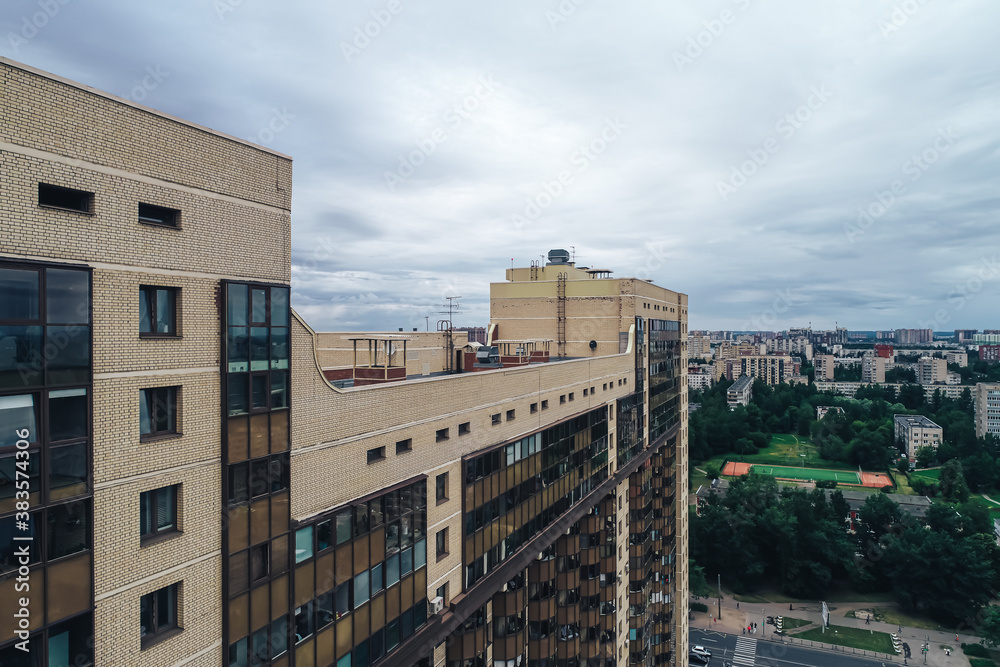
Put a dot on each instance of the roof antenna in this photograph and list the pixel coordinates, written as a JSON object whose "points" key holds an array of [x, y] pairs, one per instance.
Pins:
{"points": [[573, 248]]}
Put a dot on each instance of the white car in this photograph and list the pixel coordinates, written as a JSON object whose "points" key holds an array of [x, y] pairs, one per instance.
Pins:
{"points": [[701, 650]]}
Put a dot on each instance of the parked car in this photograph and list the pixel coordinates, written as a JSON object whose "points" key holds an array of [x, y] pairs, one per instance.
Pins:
{"points": [[698, 659], [701, 650]]}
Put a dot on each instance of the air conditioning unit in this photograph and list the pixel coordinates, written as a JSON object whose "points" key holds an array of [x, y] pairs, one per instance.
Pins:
{"points": [[437, 604]]}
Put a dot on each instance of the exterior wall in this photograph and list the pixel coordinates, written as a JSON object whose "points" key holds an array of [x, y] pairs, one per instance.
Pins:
{"points": [[987, 409], [824, 364], [61, 133], [873, 369]]}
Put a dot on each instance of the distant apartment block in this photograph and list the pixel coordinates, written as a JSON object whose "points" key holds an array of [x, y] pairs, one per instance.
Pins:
{"points": [[884, 351], [931, 370], [771, 370], [740, 392], [873, 370], [699, 347], [914, 336], [916, 431], [851, 388], [824, 410], [987, 409], [987, 338], [989, 353], [699, 380], [957, 357], [824, 364], [963, 336]]}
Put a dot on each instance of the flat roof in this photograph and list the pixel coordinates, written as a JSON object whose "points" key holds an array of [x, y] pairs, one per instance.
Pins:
{"points": [[915, 420]]}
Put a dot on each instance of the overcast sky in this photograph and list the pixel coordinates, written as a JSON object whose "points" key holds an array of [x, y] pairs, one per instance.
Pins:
{"points": [[781, 163]]}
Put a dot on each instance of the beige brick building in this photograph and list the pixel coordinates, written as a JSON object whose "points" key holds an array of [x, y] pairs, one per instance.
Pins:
{"points": [[200, 492], [872, 369]]}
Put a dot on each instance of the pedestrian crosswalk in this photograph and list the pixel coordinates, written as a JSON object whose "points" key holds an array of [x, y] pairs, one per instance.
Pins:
{"points": [[746, 649]]}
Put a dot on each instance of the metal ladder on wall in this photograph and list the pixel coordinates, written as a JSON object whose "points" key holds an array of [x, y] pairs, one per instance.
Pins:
{"points": [[561, 314]]}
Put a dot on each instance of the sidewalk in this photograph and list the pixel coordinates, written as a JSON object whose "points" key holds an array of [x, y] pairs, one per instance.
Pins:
{"points": [[734, 620]]}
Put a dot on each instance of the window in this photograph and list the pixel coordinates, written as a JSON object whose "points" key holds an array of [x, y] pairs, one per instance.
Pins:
{"points": [[562, 399], [545, 405], [442, 434], [495, 419], [465, 428], [404, 446], [533, 408], [584, 391], [157, 411], [571, 396], [510, 415], [157, 311], [442, 592], [68, 199], [441, 487], [259, 563], [158, 613], [441, 540], [158, 215], [376, 454], [158, 511]]}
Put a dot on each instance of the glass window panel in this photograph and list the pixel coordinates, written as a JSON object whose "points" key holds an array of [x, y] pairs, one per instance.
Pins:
{"points": [[377, 582], [323, 536], [305, 583], [259, 484], [361, 654], [420, 554], [261, 646], [279, 347], [279, 596], [279, 636], [279, 513], [166, 508], [67, 296], [279, 306], [392, 635], [165, 313], [238, 390], [9, 559], [279, 430], [279, 389], [20, 356], [375, 512], [258, 349], [238, 654], [392, 570], [361, 589], [406, 532], [237, 304], [345, 661], [238, 489], [239, 528], [392, 539], [69, 643], [279, 554], [324, 609], [67, 414], [67, 589], [258, 391], [146, 615], [344, 520], [342, 597], [258, 435], [146, 512], [259, 562], [238, 349], [360, 520], [67, 471], [405, 499], [304, 622], [259, 521], [239, 616], [145, 326], [406, 561], [303, 544], [68, 528], [8, 480], [19, 294], [17, 413], [259, 305], [280, 472]]}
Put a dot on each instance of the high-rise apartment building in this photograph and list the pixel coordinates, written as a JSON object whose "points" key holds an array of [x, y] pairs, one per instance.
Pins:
{"points": [[201, 493], [957, 357], [987, 409], [873, 369], [914, 336], [931, 370], [990, 353], [824, 365]]}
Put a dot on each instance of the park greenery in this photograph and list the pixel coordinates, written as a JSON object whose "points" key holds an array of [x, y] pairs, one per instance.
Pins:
{"points": [[759, 535]]}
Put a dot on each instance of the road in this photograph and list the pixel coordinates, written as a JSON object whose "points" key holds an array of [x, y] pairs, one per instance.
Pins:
{"points": [[751, 651]]}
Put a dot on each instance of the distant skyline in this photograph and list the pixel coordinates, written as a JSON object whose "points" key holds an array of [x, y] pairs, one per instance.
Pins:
{"points": [[778, 162]]}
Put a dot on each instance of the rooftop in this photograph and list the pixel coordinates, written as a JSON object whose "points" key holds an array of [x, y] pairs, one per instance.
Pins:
{"points": [[914, 420]]}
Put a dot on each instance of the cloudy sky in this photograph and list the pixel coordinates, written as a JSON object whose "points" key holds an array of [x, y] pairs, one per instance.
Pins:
{"points": [[781, 163]]}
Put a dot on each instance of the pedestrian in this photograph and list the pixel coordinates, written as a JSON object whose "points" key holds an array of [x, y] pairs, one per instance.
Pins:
{"points": [[744, 630], [789, 606], [737, 604]]}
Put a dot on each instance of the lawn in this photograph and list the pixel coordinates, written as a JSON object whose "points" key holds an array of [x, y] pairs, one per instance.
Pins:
{"points": [[792, 623], [930, 474], [788, 449], [853, 637], [898, 617], [981, 662]]}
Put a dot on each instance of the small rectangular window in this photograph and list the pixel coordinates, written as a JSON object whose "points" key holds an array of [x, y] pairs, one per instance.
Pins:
{"points": [[158, 511], [442, 434], [585, 391], [158, 613], [572, 396], [441, 487], [495, 419], [54, 196], [158, 215], [157, 311], [376, 454], [545, 405], [441, 540], [562, 399], [534, 408], [464, 428], [157, 412], [404, 446], [510, 415]]}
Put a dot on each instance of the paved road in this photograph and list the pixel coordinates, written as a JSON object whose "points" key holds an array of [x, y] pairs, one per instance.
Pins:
{"points": [[744, 651]]}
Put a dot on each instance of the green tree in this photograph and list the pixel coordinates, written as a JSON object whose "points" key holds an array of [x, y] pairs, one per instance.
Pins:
{"points": [[697, 582], [952, 482], [926, 456], [989, 626], [712, 471]]}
